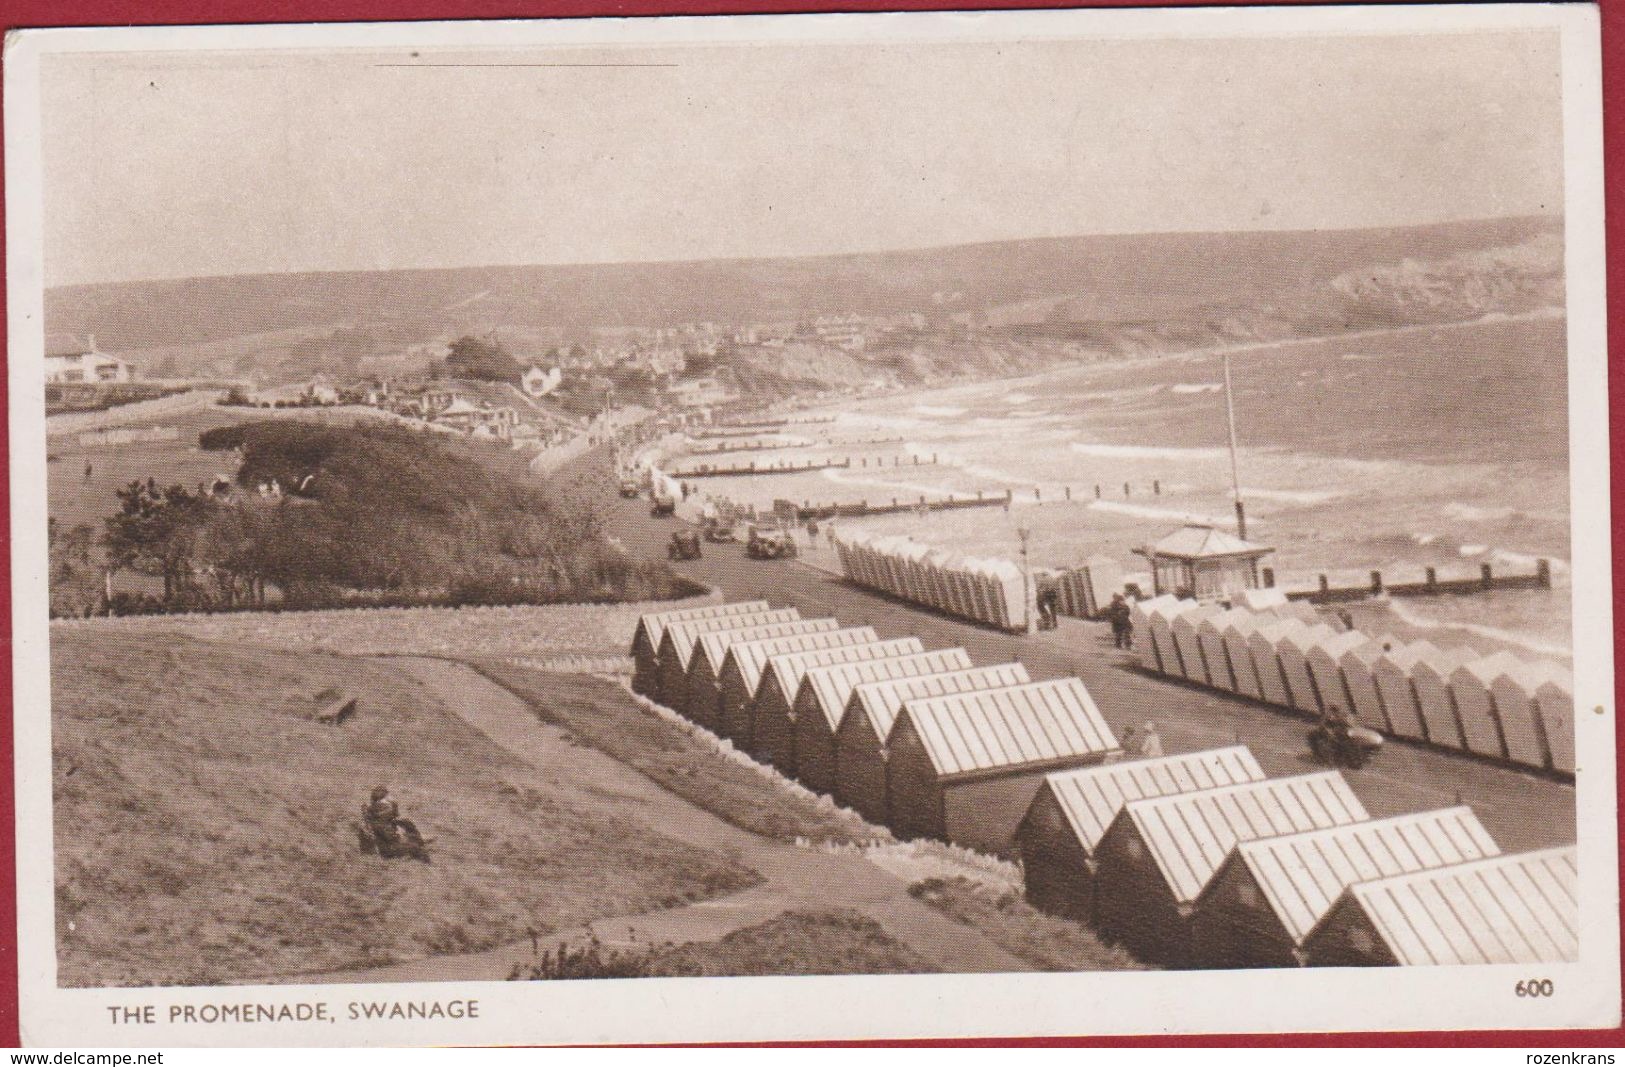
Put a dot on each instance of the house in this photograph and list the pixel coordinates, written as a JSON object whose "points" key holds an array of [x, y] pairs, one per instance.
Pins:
{"points": [[1522, 908], [849, 332], [1268, 894], [1204, 562], [652, 627], [1071, 811], [699, 393], [69, 362], [319, 390], [677, 647], [1157, 855], [746, 664], [965, 768], [538, 382], [866, 721], [772, 711], [702, 700]]}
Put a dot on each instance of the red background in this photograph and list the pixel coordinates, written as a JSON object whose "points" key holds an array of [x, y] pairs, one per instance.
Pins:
{"points": [[15, 14]]}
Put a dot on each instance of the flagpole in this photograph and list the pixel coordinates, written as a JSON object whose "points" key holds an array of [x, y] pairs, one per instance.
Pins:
{"points": [[1235, 469]]}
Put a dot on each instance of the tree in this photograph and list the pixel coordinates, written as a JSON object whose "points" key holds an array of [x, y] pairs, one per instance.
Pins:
{"points": [[155, 532], [473, 357], [74, 579]]}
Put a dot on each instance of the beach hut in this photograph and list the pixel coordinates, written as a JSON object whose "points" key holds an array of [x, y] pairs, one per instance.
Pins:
{"points": [[1325, 663], [1513, 691], [1392, 675], [935, 565], [702, 685], [745, 661], [964, 768], [1259, 600], [1011, 610], [1268, 894], [1554, 700], [1263, 645], [1221, 673], [1184, 628], [866, 721], [1475, 705], [1145, 648], [1520, 908], [1204, 562], [809, 750], [1358, 664], [1157, 855], [1293, 651], [1238, 632], [678, 642], [772, 708], [1072, 809], [1161, 633], [652, 627], [1430, 676]]}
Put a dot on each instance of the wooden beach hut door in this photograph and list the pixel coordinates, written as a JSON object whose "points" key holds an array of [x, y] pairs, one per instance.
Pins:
{"points": [[1475, 704], [1264, 645], [1293, 649], [1392, 674], [1237, 635], [1513, 691], [1431, 676]]}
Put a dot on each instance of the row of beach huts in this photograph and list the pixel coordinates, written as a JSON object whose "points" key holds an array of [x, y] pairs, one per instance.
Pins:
{"points": [[1191, 860], [1265, 648], [993, 592]]}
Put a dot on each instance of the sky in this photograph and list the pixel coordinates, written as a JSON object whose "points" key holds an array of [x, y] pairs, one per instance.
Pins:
{"points": [[163, 165]]}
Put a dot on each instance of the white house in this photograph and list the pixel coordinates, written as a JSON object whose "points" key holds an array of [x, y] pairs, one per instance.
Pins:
{"points": [[538, 382], [70, 362]]}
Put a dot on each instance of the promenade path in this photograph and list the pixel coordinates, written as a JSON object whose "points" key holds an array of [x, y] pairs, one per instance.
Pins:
{"points": [[1522, 810]]}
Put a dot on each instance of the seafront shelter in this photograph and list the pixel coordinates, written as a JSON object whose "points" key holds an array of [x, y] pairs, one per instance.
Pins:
{"points": [[1392, 673], [745, 662], [1430, 675], [680, 639], [1072, 809], [1519, 908], [809, 746], [652, 627], [1203, 562], [964, 768], [866, 721], [1157, 855], [1269, 893], [772, 708], [1475, 705]]}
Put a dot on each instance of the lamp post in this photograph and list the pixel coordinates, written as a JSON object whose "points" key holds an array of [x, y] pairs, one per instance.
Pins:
{"points": [[1026, 534]]}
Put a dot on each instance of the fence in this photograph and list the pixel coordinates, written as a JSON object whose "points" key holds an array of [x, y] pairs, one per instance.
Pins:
{"points": [[129, 436]]}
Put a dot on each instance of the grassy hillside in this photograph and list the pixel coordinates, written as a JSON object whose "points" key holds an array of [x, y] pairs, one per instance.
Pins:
{"points": [[366, 320], [204, 825]]}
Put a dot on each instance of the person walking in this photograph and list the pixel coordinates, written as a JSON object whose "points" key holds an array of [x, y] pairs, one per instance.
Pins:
{"points": [[1122, 621], [1150, 742]]}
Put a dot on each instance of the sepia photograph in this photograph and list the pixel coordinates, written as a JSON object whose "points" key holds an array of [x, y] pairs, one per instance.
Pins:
{"points": [[1081, 522]]}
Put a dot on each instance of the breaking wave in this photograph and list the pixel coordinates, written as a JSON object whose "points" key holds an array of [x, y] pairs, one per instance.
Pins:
{"points": [[1145, 452]]}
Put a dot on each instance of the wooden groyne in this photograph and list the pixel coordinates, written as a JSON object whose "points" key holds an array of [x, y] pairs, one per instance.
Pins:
{"points": [[863, 508], [1487, 581], [737, 471]]}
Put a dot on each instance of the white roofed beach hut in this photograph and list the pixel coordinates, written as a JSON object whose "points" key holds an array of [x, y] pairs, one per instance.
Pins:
{"points": [[1072, 809], [1145, 648], [1519, 908], [1293, 652], [1430, 675], [1555, 702], [1357, 664], [964, 768], [1210, 633], [746, 661], [1237, 636], [866, 721], [1185, 627], [772, 710], [1325, 663], [1392, 673], [677, 646], [652, 627], [1268, 894], [1513, 691], [1475, 706], [1161, 614], [1157, 855], [1264, 645]]}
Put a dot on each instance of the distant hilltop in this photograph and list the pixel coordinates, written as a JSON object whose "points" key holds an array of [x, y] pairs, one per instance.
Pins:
{"points": [[1114, 294]]}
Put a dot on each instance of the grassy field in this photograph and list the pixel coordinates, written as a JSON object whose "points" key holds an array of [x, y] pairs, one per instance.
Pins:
{"points": [[837, 941], [205, 825], [1048, 943], [601, 714]]}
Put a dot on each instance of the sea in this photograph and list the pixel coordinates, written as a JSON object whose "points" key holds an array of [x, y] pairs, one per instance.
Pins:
{"points": [[1394, 451]]}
